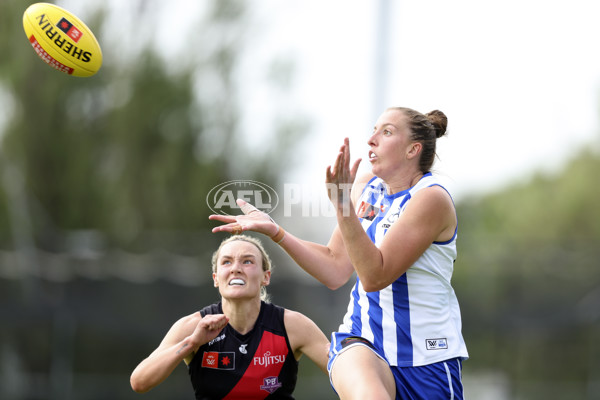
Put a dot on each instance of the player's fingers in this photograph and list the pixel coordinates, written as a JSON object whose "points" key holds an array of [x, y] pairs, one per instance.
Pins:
{"points": [[246, 207], [234, 227], [355, 168], [328, 174], [337, 166], [222, 218], [347, 153]]}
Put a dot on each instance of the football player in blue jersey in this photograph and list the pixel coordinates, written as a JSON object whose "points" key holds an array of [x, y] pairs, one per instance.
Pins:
{"points": [[396, 230]]}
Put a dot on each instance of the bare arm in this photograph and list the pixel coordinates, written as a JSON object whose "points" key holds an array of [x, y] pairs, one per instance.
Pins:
{"points": [[429, 217], [306, 338], [180, 344], [329, 264]]}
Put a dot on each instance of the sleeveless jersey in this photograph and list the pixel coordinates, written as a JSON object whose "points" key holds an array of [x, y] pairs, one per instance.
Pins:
{"points": [[257, 365], [416, 320]]}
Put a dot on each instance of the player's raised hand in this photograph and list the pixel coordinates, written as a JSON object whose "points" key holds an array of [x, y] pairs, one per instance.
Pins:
{"points": [[252, 219], [340, 177]]}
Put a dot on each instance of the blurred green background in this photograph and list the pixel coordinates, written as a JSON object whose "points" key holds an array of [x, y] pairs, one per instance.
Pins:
{"points": [[105, 241]]}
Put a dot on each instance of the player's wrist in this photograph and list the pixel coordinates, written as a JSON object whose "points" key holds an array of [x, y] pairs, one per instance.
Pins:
{"points": [[279, 235], [188, 346]]}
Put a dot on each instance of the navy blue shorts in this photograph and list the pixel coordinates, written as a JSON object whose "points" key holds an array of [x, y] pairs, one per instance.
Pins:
{"points": [[441, 380], [437, 381]]}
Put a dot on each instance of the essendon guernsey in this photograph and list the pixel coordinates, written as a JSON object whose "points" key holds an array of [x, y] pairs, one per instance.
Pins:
{"points": [[257, 365]]}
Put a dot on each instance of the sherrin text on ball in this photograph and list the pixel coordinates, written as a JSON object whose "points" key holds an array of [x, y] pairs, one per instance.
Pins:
{"points": [[62, 40]]}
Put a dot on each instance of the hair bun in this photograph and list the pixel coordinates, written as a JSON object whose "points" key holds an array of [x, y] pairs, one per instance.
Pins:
{"points": [[439, 121]]}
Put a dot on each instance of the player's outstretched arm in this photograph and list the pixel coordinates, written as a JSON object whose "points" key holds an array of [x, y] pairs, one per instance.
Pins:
{"points": [[329, 264]]}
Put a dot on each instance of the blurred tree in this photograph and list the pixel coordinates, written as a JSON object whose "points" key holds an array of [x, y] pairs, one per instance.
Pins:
{"points": [[529, 283], [125, 160], [136, 148]]}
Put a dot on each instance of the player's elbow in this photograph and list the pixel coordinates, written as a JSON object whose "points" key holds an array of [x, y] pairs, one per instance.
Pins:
{"points": [[333, 285], [370, 287], [373, 284], [375, 279], [338, 278], [138, 385], [335, 282]]}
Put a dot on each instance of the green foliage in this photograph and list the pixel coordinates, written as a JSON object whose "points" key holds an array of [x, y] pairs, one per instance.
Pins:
{"points": [[527, 275], [108, 176], [133, 149]]}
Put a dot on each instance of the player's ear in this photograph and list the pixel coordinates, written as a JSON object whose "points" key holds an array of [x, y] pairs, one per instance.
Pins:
{"points": [[215, 281], [414, 149], [266, 278]]}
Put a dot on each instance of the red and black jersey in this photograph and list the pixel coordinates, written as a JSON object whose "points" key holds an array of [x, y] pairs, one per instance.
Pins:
{"points": [[257, 365]]}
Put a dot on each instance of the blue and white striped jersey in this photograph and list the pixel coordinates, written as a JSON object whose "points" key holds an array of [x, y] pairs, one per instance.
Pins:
{"points": [[416, 320]]}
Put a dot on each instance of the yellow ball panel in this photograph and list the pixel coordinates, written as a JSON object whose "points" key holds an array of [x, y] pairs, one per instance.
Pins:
{"points": [[62, 40]]}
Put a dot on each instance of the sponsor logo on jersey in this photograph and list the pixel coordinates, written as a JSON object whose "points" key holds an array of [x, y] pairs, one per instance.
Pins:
{"points": [[367, 211], [436, 344], [217, 339], [393, 217], [268, 359], [270, 384], [218, 360], [243, 349]]}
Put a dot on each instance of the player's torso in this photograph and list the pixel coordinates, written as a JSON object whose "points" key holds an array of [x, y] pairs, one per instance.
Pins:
{"points": [[399, 319], [251, 366]]}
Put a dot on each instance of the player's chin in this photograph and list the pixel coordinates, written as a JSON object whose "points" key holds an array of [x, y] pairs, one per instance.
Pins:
{"points": [[375, 167], [239, 292]]}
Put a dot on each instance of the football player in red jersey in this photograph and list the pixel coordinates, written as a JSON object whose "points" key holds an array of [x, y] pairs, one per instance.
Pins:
{"points": [[242, 347]]}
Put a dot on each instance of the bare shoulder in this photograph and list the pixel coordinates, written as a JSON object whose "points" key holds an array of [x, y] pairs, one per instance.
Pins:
{"points": [[299, 328], [435, 197], [435, 207], [364, 178], [294, 320], [306, 338]]}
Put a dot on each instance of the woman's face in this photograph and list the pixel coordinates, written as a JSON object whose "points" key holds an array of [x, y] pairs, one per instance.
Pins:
{"points": [[390, 144], [239, 271]]}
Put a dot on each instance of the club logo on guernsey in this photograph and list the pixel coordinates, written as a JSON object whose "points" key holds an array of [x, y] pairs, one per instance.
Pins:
{"points": [[218, 360], [270, 384], [268, 359]]}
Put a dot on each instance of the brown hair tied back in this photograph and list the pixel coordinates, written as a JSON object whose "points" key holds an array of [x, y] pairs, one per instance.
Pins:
{"points": [[439, 121], [425, 129]]}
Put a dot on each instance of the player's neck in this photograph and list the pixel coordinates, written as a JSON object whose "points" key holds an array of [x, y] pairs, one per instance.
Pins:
{"points": [[402, 183], [242, 314]]}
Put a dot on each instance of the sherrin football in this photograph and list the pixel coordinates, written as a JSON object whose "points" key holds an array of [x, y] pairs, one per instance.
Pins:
{"points": [[62, 40]]}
